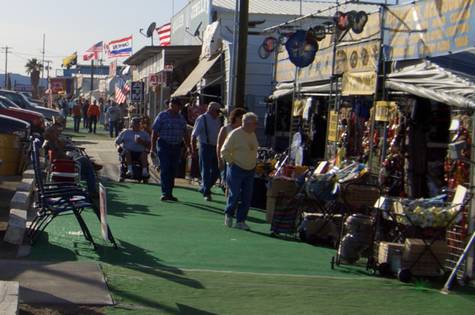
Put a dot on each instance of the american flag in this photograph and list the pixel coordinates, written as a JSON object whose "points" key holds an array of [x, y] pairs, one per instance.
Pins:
{"points": [[164, 33], [122, 89], [93, 52]]}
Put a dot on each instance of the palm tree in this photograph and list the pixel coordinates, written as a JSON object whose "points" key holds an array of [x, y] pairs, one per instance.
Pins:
{"points": [[33, 68]]}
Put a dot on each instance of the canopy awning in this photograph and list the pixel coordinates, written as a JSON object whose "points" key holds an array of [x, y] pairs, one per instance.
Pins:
{"points": [[320, 88], [195, 76], [442, 84]]}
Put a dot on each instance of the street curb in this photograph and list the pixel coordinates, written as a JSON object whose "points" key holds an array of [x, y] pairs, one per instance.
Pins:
{"points": [[9, 292], [19, 207]]}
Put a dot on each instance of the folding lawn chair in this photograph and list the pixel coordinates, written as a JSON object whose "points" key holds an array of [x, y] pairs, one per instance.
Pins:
{"points": [[54, 200]]}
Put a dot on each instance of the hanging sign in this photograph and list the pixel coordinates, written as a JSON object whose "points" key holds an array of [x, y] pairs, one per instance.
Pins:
{"points": [[153, 80], [333, 126], [358, 83], [382, 110], [136, 91]]}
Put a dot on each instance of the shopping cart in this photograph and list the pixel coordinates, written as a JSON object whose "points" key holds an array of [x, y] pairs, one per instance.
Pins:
{"points": [[419, 227]]}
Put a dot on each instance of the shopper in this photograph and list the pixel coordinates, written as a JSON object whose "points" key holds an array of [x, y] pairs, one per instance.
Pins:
{"points": [[206, 131], [235, 121], [168, 135], [113, 112], [85, 107], [240, 152], [77, 116], [93, 113]]}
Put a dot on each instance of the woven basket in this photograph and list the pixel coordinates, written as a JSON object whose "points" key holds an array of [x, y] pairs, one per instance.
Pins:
{"points": [[359, 195]]}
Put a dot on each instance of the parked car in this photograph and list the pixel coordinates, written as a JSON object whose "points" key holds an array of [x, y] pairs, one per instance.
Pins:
{"points": [[23, 102], [36, 120], [15, 126], [15, 145]]}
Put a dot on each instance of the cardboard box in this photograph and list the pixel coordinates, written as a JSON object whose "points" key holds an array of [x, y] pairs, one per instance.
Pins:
{"points": [[281, 186], [420, 260], [387, 251]]}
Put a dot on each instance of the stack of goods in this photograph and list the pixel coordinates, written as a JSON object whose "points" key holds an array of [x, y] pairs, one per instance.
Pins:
{"points": [[422, 259], [432, 212]]}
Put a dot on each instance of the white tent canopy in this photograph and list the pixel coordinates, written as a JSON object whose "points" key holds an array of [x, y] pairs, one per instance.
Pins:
{"points": [[427, 79]]}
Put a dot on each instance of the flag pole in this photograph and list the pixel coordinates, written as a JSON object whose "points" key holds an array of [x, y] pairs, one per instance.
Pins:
{"points": [[92, 79]]}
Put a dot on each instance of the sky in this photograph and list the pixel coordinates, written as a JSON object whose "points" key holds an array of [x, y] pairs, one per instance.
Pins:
{"points": [[74, 26]]}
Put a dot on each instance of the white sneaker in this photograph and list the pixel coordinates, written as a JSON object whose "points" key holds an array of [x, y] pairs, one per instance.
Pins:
{"points": [[242, 226], [228, 220]]}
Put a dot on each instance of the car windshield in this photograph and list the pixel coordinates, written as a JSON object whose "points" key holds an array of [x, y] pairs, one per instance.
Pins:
{"points": [[7, 103], [15, 98]]}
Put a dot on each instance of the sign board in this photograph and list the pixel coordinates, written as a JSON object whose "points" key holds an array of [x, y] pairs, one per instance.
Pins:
{"points": [[103, 211], [136, 91], [359, 83], [333, 126], [113, 68], [428, 29], [153, 79], [57, 85], [382, 110]]}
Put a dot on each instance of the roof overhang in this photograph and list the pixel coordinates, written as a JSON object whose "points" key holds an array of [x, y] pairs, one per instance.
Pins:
{"points": [[171, 52]]}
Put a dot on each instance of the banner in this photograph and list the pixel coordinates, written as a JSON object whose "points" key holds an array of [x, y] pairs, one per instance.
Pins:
{"points": [[333, 126], [355, 53], [119, 48], [428, 28], [382, 110], [359, 83], [103, 211]]}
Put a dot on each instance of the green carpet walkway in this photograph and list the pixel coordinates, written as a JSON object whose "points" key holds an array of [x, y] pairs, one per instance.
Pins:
{"points": [[179, 258]]}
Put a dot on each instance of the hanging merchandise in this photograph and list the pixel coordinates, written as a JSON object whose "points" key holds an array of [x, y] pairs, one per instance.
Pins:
{"points": [[353, 20], [302, 47], [267, 47], [298, 108], [269, 121]]}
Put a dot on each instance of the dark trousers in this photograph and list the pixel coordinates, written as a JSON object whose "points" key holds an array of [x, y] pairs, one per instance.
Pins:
{"points": [[208, 167], [77, 123], [84, 121], [113, 128], [169, 155], [92, 124]]}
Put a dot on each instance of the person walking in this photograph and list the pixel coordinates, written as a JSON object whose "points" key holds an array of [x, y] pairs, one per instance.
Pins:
{"points": [[77, 116], [85, 107], [235, 121], [168, 135], [206, 130], [113, 112], [93, 113], [240, 152], [105, 114]]}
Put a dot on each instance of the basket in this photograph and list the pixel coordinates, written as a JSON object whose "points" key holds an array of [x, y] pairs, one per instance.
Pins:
{"points": [[358, 195]]}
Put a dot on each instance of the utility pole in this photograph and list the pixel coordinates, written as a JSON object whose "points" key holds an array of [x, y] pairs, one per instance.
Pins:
{"points": [[43, 53], [6, 49], [242, 54], [47, 67]]}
